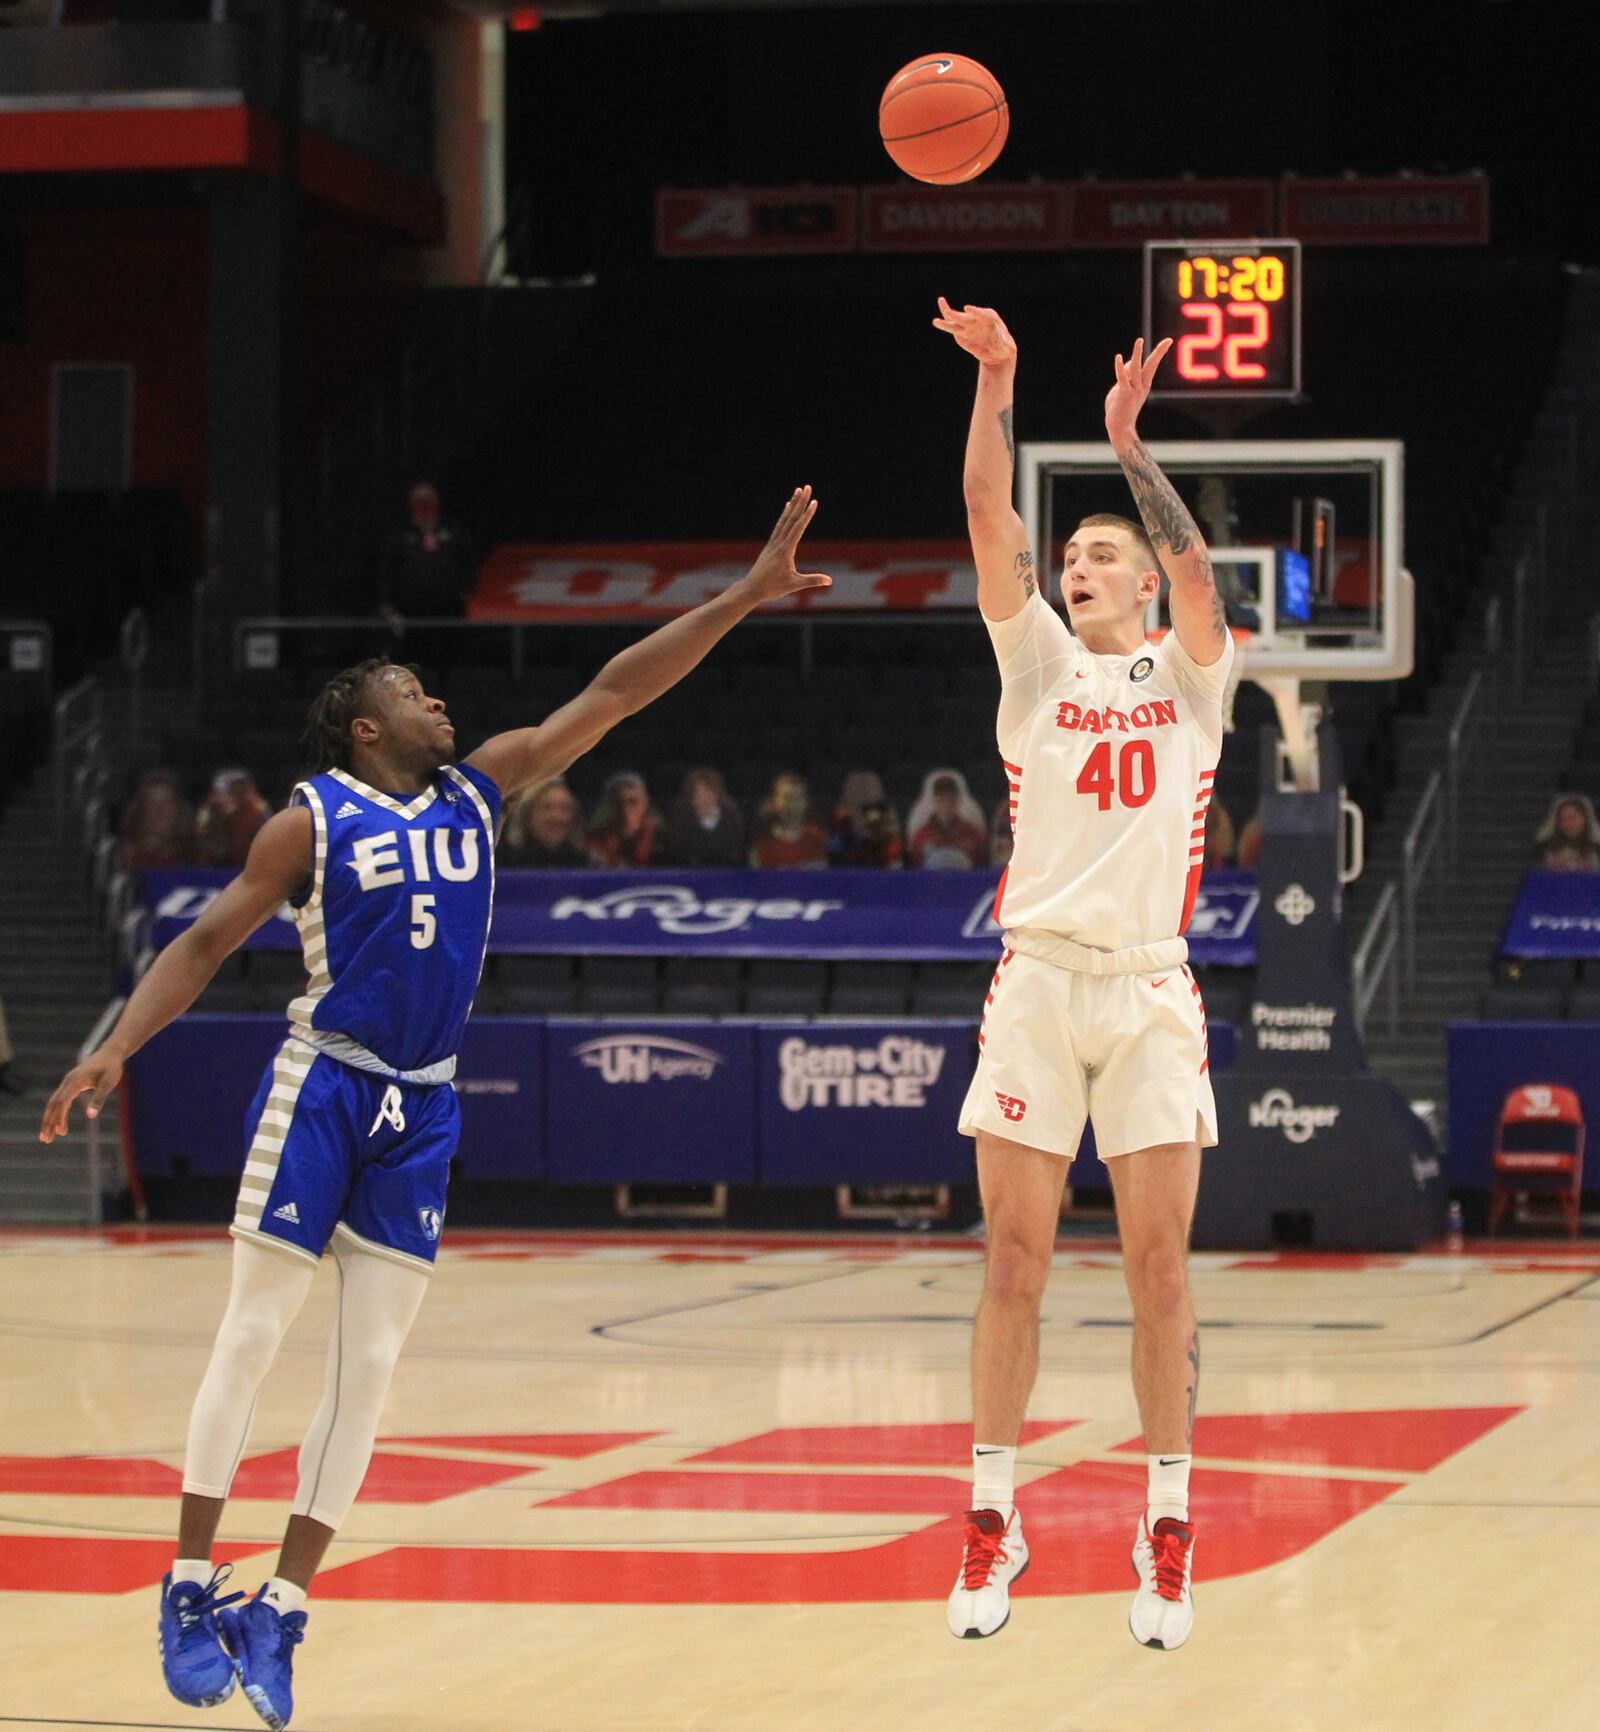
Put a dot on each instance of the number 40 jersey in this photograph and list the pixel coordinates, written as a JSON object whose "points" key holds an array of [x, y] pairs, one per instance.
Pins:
{"points": [[396, 920], [1109, 760]]}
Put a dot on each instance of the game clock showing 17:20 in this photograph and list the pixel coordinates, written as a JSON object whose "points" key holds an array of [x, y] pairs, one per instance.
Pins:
{"points": [[1232, 310]]}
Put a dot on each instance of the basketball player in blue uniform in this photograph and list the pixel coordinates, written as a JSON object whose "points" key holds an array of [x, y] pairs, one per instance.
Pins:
{"points": [[386, 854]]}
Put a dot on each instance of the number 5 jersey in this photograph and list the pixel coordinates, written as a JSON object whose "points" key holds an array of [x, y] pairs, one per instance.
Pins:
{"points": [[395, 922], [1109, 760]]}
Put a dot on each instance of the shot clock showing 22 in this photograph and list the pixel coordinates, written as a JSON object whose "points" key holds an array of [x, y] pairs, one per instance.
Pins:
{"points": [[1232, 310]]}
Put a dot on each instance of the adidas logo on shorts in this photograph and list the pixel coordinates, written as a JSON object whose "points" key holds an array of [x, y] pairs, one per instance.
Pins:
{"points": [[287, 1213], [348, 810]]}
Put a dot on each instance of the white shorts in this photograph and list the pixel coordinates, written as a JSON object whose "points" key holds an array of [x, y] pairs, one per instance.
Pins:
{"points": [[1058, 1047]]}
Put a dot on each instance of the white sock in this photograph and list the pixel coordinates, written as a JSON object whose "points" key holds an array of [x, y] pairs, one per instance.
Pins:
{"points": [[1168, 1493], [196, 1570], [284, 1597], [994, 1468]]}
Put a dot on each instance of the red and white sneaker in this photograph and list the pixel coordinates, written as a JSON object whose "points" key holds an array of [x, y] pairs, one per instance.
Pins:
{"points": [[996, 1554], [1163, 1609]]}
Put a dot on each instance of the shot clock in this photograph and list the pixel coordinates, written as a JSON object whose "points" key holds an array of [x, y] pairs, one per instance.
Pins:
{"points": [[1232, 309]]}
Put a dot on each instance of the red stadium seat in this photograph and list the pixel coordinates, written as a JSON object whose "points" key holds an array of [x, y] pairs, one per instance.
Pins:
{"points": [[1539, 1146]]}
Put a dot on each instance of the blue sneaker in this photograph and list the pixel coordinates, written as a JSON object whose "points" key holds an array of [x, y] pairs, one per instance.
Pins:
{"points": [[193, 1661], [262, 1641]]}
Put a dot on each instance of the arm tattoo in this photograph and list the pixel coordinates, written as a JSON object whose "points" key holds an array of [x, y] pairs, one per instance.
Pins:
{"points": [[1005, 428], [1166, 517], [1025, 572], [1194, 1387]]}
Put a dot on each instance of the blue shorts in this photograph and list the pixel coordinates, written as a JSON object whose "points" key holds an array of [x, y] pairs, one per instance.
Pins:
{"points": [[337, 1149]]}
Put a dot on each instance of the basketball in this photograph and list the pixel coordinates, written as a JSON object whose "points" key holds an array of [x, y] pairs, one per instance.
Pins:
{"points": [[943, 118]]}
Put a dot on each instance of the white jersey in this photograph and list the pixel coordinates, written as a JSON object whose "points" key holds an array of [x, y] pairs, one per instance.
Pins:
{"points": [[1110, 761]]}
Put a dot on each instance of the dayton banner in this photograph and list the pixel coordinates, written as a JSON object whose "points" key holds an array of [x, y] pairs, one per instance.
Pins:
{"points": [[836, 915], [1556, 916], [624, 580], [1127, 213]]}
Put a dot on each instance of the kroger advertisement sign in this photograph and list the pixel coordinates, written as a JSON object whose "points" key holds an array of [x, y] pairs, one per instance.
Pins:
{"points": [[910, 916]]}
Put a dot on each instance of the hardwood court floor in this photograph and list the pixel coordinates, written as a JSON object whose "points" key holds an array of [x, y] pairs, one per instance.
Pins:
{"points": [[714, 1483]]}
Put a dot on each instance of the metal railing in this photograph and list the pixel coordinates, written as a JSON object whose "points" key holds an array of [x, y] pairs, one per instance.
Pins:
{"points": [[96, 1162], [1519, 622], [1461, 757], [76, 738], [1417, 854], [133, 649], [1375, 964]]}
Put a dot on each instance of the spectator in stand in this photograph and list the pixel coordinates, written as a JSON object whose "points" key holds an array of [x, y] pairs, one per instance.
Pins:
{"points": [[158, 825], [627, 829], [426, 566], [1569, 838], [233, 812], [946, 824], [543, 829], [1221, 843], [1001, 840], [787, 835], [705, 826], [866, 828], [8, 1083]]}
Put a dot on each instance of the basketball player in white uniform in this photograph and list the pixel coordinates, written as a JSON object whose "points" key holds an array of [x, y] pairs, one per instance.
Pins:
{"points": [[1110, 745]]}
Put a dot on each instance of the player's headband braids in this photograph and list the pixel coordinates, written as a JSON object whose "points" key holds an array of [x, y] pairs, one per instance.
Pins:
{"points": [[326, 742]]}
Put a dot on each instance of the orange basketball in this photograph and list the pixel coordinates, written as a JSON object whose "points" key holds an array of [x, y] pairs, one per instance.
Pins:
{"points": [[943, 118]]}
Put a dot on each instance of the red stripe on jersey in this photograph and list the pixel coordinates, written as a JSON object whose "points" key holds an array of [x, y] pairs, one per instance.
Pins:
{"points": [[1191, 892], [1015, 769], [1000, 891], [1191, 888]]}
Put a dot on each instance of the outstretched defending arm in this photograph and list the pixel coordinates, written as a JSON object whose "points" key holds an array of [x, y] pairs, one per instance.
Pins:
{"points": [[999, 539], [1197, 615], [643, 671], [278, 865]]}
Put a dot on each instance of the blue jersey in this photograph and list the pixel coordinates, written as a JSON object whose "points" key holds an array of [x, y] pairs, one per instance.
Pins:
{"points": [[396, 921]]}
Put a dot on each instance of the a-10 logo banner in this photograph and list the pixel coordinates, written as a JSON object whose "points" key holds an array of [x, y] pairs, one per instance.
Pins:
{"points": [[910, 916]]}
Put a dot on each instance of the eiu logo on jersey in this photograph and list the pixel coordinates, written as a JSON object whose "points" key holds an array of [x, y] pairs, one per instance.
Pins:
{"points": [[431, 1222], [377, 860]]}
